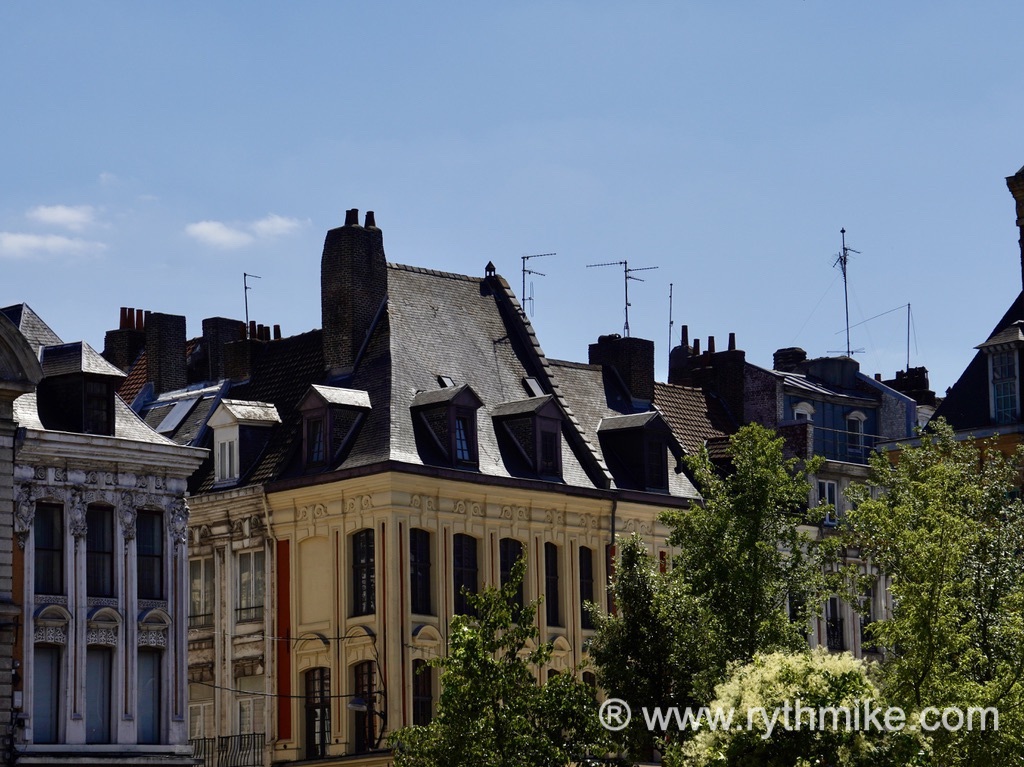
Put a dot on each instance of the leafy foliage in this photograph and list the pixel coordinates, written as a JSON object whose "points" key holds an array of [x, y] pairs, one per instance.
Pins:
{"points": [[944, 523], [493, 710], [816, 680]]}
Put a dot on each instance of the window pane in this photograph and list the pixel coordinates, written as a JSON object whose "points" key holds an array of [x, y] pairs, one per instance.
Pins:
{"points": [[98, 667], [45, 694], [148, 718], [99, 544], [49, 543], [422, 693], [419, 571], [315, 440], [150, 552], [464, 570], [318, 712], [462, 439], [363, 582], [251, 581], [551, 597], [586, 586], [365, 721]]}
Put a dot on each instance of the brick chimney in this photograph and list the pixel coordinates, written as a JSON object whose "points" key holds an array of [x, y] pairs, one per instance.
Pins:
{"points": [[633, 358], [789, 359], [720, 373], [679, 357], [353, 286], [914, 383], [217, 332], [165, 352], [1015, 184], [121, 347]]}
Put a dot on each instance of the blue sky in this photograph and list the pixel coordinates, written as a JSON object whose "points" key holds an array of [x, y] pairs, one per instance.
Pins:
{"points": [[152, 153]]}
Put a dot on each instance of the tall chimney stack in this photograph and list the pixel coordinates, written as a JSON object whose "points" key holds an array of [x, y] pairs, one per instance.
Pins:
{"points": [[1015, 184], [353, 286], [165, 352]]}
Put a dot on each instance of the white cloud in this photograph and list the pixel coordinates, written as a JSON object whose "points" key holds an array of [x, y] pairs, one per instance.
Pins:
{"points": [[21, 245], [218, 234], [274, 225], [221, 235], [108, 179], [73, 217]]}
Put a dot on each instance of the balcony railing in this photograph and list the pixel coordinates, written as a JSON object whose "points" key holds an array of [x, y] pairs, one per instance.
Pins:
{"points": [[200, 621], [230, 750], [834, 634], [249, 614]]}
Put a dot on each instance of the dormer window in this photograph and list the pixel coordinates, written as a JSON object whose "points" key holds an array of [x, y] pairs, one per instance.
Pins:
{"points": [[77, 390], [444, 421], [855, 435], [330, 419], [241, 429], [1003, 353], [636, 448], [530, 436], [803, 411]]}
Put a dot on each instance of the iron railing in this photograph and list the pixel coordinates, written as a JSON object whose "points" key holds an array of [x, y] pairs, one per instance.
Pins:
{"points": [[230, 750], [200, 621], [249, 614]]}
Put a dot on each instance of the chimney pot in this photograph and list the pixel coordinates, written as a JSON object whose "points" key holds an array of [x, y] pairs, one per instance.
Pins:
{"points": [[711, 344], [696, 346], [140, 319], [878, 377], [123, 325], [684, 339], [252, 328], [352, 217], [371, 221], [277, 332], [732, 342]]}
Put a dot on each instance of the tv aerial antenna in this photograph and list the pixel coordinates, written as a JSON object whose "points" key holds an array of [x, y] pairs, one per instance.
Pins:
{"points": [[245, 284], [627, 275], [527, 270], [842, 258]]}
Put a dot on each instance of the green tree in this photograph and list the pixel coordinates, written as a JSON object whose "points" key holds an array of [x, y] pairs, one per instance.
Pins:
{"points": [[768, 730], [943, 522], [493, 710], [744, 557]]}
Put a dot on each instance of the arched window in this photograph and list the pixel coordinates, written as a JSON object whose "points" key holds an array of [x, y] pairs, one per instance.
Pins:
{"points": [[363, 707], [318, 712], [552, 598], [464, 570], [419, 571], [803, 411], [586, 586]]}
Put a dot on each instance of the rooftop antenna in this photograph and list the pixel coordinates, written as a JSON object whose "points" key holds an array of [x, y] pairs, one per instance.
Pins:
{"points": [[245, 284], [526, 271], [626, 277], [671, 322], [842, 259]]}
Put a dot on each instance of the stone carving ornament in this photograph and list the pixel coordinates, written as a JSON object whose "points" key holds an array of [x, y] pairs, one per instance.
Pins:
{"points": [[178, 525], [24, 512], [76, 513], [127, 514]]}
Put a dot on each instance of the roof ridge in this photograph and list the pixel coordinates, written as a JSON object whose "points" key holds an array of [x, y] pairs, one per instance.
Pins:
{"points": [[433, 272], [574, 364]]}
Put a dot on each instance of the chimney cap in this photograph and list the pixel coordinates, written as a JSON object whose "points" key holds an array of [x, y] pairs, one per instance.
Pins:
{"points": [[371, 221], [352, 217], [489, 269]]}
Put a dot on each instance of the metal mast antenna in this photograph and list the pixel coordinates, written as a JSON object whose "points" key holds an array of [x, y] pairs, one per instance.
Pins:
{"points": [[245, 284], [526, 270], [671, 322], [626, 277], [842, 259]]}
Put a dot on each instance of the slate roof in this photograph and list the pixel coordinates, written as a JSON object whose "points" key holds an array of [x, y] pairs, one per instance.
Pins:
{"points": [[697, 417], [966, 403], [435, 324], [246, 410], [77, 357], [31, 325]]}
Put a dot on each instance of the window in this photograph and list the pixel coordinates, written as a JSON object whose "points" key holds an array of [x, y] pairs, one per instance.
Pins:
{"points": [[98, 405], [509, 552], [835, 640], [827, 495], [422, 693], [551, 597], [46, 694], [365, 728], [586, 586], [855, 435], [150, 551], [867, 617], [226, 460], [803, 411], [363, 581], [419, 571], [251, 708], [657, 465], [1004, 386], [464, 571], [318, 712], [315, 447], [200, 712], [550, 456], [99, 546], [147, 719], [462, 432], [250, 586], [98, 668], [200, 600], [49, 542]]}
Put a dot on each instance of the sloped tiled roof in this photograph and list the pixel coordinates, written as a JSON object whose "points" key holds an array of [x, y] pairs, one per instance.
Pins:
{"points": [[127, 424], [696, 417], [31, 325], [77, 357]]}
